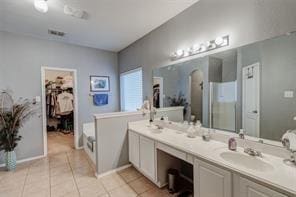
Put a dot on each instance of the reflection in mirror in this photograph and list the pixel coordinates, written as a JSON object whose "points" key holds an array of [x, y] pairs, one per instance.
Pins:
{"points": [[250, 88]]}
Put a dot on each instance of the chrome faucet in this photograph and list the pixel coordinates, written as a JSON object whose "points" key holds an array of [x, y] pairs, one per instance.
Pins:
{"points": [[250, 151], [253, 152]]}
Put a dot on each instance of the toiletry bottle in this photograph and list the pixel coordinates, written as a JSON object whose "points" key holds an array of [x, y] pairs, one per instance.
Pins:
{"points": [[241, 134], [232, 145], [191, 131]]}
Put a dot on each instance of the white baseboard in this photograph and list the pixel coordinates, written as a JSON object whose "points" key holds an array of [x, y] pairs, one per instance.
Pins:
{"points": [[112, 171], [25, 160], [79, 147]]}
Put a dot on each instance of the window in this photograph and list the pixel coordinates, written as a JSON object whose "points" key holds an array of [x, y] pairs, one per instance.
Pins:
{"points": [[131, 90]]}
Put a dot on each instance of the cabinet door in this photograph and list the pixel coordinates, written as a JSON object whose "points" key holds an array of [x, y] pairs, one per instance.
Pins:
{"points": [[247, 188], [147, 157], [134, 148], [211, 181]]}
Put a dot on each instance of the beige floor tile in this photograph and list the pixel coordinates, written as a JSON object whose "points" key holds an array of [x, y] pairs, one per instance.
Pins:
{"points": [[79, 164], [105, 195], [60, 179], [141, 185], [130, 174], [11, 184], [83, 181], [62, 169], [59, 142], [37, 186], [83, 171], [112, 181], [11, 193], [35, 178], [39, 193], [156, 192], [123, 191], [64, 189], [42, 169], [93, 189]]}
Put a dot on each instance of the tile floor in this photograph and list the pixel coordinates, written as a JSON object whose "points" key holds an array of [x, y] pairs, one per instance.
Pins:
{"points": [[71, 174], [58, 142]]}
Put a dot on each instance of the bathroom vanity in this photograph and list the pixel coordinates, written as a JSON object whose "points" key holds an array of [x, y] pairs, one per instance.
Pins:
{"points": [[217, 171]]}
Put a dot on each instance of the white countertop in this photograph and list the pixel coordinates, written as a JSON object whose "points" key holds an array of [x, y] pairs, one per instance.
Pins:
{"points": [[282, 176]]}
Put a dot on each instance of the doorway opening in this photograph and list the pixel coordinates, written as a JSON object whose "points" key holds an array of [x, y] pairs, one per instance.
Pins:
{"points": [[60, 117], [158, 92], [196, 95]]}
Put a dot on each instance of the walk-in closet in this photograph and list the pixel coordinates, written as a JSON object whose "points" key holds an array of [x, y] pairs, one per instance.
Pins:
{"points": [[59, 98]]}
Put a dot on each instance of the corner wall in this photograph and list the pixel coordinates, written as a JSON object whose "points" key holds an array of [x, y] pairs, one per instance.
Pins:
{"points": [[21, 59]]}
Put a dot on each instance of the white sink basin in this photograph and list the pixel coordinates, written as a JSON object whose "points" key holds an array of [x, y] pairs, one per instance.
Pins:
{"points": [[246, 161], [154, 129]]}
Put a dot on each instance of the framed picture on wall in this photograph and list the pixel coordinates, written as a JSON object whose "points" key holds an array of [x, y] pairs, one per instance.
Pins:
{"points": [[99, 83]]}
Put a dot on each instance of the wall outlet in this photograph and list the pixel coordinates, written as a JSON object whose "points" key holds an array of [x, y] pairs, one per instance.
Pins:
{"points": [[289, 94]]}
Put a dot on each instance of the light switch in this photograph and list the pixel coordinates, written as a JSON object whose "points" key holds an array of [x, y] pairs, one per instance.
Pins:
{"points": [[289, 94], [37, 99]]}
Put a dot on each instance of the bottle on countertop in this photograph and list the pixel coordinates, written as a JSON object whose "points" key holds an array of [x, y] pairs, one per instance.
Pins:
{"points": [[191, 131], [232, 145]]}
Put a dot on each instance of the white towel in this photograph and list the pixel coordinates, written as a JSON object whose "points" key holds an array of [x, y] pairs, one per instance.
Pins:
{"points": [[291, 135]]}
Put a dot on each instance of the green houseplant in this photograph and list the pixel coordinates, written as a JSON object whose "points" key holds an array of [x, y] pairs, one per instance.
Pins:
{"points": [[13, 115]]}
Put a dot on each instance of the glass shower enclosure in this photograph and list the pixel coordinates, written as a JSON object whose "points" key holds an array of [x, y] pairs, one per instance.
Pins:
{"points": [[223, 97]]}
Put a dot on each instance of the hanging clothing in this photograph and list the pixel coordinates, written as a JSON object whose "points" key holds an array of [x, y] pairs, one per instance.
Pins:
{"points": [[65, 103], [67, 82]]}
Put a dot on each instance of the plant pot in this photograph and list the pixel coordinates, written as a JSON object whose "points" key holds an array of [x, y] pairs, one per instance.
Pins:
{"points": [[10, 160]]}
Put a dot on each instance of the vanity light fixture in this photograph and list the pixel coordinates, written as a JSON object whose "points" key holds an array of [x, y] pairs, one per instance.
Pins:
{"points": [[201, 48], [41, 5]]}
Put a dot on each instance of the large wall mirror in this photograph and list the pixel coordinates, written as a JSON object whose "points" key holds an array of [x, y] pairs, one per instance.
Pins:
{"points": [[251, 88]]}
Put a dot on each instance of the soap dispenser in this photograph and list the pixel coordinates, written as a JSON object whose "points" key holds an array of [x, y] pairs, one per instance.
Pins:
{"points": [[232, 145]]}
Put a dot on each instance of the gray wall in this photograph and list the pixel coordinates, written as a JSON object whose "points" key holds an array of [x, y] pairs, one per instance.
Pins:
{"points": [[246, 21], [21, 59], [277, 58]]}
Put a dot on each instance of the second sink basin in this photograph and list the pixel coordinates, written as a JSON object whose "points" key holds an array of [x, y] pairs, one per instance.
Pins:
{"points": [[244, 160]]}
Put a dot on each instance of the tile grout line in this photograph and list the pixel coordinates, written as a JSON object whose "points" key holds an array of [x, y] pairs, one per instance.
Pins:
{"points": [[128, 183], [22, 194], [73, 174]]}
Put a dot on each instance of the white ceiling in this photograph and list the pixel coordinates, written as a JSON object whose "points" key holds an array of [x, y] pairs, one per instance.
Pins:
{"points": [[111, 24]]}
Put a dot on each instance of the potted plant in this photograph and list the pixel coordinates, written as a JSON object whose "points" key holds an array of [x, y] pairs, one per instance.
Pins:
{"points": [[13, 115]]}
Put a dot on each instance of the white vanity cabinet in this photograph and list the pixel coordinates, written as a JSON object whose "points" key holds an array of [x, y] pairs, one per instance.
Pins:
{"points": [[211, 181], [243, 187], [147, 157], [142, 154], [134, 148]]}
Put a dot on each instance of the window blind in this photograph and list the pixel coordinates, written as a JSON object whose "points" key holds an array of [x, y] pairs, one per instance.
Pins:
{"points": [[131, 89]]}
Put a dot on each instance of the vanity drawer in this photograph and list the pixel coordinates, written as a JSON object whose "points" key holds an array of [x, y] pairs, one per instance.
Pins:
{"points": [[172, 151]]}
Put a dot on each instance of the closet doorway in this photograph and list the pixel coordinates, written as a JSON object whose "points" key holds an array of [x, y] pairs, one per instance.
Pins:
{"points": [[60, 109]]}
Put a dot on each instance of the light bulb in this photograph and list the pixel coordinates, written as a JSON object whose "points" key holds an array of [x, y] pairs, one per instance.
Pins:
{"points": [[41, 5], [180, 52], [203, 48], [195, 47], [219, 41]]}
